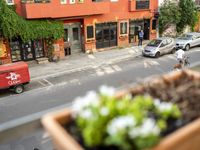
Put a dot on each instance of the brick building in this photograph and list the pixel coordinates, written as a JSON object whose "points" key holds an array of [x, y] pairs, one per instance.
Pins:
{"points": [[89, 25]]}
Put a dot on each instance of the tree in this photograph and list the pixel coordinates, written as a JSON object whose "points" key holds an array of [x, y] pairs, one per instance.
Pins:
{"points": [[169, 14], [189, 15]]}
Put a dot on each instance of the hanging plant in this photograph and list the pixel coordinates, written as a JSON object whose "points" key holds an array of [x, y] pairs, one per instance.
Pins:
{"points": [[12, 25]]}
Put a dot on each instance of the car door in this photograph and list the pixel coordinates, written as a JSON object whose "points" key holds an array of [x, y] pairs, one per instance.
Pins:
{"points": [[197, 39], [163, 47], [193, 41], [170, 45]]}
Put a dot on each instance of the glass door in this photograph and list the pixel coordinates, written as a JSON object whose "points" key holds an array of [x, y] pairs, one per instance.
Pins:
{"points": [[39, 48], [15, 50], [27, 51]]}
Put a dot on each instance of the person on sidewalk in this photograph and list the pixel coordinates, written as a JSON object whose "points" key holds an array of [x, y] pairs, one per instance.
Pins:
{"points": [[140, 37]]}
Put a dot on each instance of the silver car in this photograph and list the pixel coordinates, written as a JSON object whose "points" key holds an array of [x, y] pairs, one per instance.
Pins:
{"points": [[159, 46], [188, 40]]}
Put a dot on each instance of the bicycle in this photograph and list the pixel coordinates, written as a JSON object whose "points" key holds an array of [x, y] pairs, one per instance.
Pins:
{"points": [[182, 64]]}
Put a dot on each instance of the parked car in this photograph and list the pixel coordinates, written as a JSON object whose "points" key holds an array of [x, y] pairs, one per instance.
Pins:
{"points": [[188, 40], [159, 46]]}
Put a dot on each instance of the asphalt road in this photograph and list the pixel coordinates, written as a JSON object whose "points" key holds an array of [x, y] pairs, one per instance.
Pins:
{"points": [[64, 89]]}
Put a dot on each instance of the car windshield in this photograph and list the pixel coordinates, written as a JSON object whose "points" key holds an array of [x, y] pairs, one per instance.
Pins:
{"points": [[185, 37], [154, 43]]}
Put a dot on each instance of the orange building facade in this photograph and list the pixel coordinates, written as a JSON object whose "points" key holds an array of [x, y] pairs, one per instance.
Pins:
{"points": [[89, 25]]}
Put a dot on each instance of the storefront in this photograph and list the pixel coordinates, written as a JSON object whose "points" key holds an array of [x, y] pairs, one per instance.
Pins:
{"points": [[26, 51], [106, 35], [135, 26]]}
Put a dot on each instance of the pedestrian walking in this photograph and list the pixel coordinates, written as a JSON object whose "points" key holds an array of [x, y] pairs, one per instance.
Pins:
{"points": [[140, 37]]}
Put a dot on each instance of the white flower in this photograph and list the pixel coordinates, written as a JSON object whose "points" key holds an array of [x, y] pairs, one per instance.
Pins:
{"points": [[148, 127], [163, 106], [104, 111], [120, 123], [80, 103], [86, 114], [108, 91]]}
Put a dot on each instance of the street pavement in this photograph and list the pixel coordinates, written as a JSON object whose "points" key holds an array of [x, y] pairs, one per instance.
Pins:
{"points": [[82, 61]]}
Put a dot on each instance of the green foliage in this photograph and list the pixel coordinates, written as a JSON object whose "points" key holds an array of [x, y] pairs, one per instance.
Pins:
{"points": [[169, 14], [12, 25], [183, 13], [127, 122], [189, 14]]}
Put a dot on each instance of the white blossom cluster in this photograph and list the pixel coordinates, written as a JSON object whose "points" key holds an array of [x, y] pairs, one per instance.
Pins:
{"points": [[91, 99], [163, 106]]}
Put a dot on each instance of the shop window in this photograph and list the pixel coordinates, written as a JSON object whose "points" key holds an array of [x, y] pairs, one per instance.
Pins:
{"points": [[90, 32], [154, 22], [71, 1], [142, 4], [10, 2], [123, 28], [80, 1], [63, 1], [15, 50]]}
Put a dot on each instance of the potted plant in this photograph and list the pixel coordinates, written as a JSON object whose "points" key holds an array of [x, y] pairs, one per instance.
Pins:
{"points": [[159, 114]]}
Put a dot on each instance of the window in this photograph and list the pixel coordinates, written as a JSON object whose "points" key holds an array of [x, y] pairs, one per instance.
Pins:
{"points": [[71, 1], [75, 33], [142, 4], [90, 32], [154, 22], [81, 1], [114, 0], [123, 28], [66, 38], [10, 2], [63, 1]]}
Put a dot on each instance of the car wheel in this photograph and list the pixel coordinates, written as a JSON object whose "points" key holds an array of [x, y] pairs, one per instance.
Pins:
{"points": [[173, 50], [19, 89], [187, 47], [157, 54]]}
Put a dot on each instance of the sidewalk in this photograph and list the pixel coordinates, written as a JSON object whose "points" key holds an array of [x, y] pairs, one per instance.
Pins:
{"points": [[82, 61]]}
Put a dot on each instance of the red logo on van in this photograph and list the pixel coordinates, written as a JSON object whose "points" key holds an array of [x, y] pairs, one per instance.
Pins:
{"points": [[13, 78]]}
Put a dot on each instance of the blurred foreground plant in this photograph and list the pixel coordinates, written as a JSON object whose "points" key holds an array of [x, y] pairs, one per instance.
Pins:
{"points": [[127, 123]]}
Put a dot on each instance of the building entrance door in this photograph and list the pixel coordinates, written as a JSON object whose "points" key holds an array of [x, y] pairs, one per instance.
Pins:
{"points": [[106, 35], [72, 37]]}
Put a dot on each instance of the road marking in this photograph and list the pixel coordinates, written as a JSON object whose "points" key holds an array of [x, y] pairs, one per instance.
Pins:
{"points": [[99, 72], [149, 63], [108, 70], [41, 83], [91, 56], [48, 82], [74, 81], [117, 68]]}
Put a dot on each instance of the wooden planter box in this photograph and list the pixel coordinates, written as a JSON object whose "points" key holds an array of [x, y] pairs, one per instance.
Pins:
{"points": [[185, 138]]}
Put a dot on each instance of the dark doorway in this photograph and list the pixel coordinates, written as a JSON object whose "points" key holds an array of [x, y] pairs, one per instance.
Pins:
{"points": [[106, 35], [146, 29]]}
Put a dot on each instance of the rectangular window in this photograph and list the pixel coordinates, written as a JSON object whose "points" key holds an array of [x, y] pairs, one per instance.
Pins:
{"points": [[80, 1], [90, 32], [75, 34], [71, 1], [63, 1], [142, 4], [10, 2], [154, 22], [123, 28], [114, 0]]}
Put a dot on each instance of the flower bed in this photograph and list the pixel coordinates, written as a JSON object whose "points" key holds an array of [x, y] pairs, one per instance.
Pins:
{"points": [[127, 121]]}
